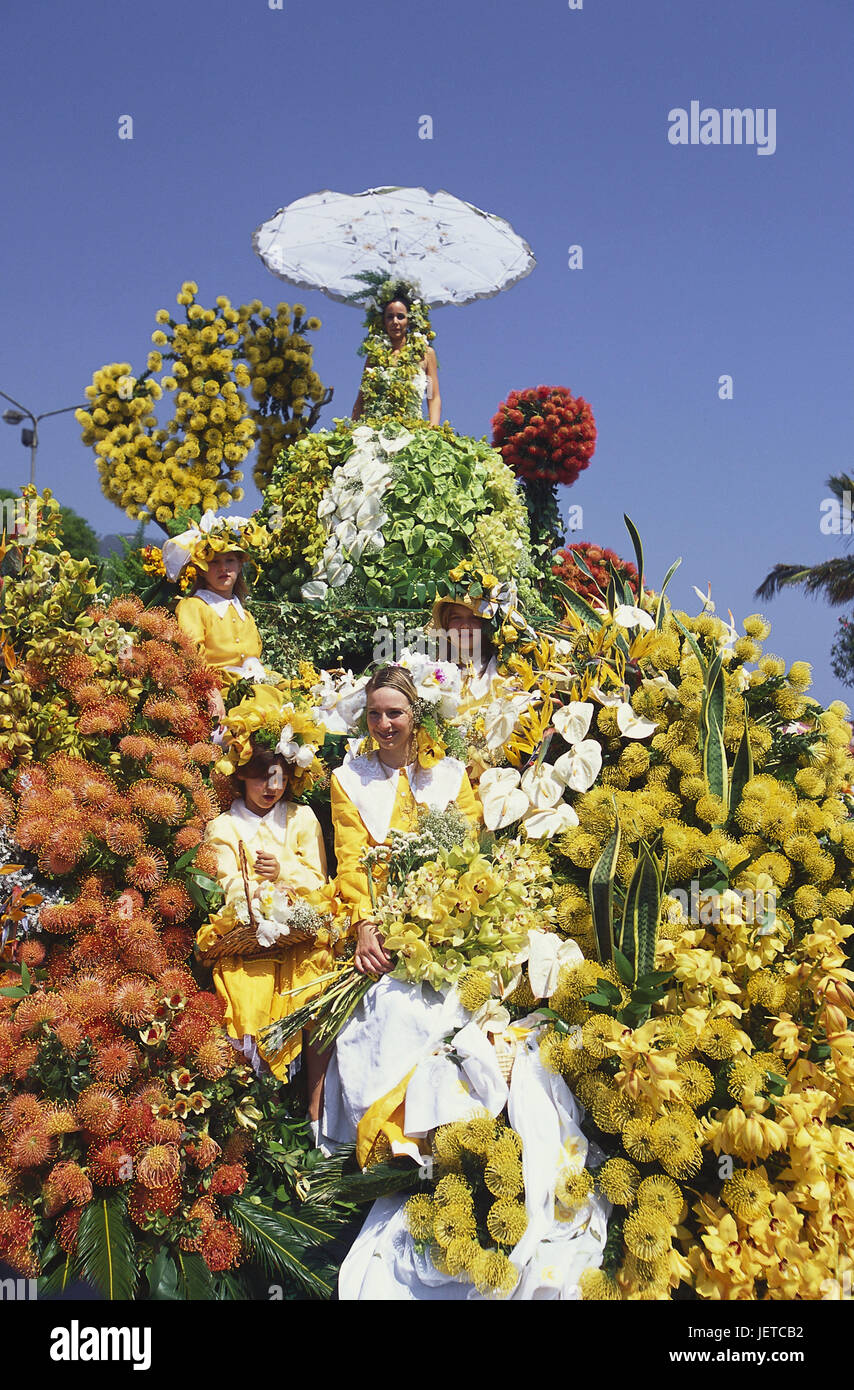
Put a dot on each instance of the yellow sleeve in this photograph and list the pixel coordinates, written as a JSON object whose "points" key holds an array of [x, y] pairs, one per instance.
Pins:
{"points": [[467, 801], [190, 617], [351, 840], [223, 834], [310, 846]]}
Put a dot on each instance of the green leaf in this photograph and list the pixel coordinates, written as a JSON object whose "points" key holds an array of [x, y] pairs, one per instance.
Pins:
{"points": [[636, 542], [279, 1241], [15, 992], [26, 977], [105, 1247], [660, 611], [642, 913], [624, 967], [611, 595], [597, 998], [742, 768], [58, 1278], [601, 893], [578, 605], [194, 1277], [163, 1276]]}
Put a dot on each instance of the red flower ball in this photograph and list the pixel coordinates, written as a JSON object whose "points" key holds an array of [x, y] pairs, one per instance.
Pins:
{"points": [[545, 433]]}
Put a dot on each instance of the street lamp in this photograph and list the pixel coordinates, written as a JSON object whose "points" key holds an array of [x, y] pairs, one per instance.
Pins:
{"points": [[30, 437]]}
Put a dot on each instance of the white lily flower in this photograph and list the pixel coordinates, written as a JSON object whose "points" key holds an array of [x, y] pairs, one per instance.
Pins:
{"points": [[629, 615], [633, 725], [573, 720], [501, 797], [579, 768], [544, 824]]}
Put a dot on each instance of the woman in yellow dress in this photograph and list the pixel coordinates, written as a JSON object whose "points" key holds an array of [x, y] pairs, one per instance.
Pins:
{"points": [[284, 846], [373, 794], [214, 616]]}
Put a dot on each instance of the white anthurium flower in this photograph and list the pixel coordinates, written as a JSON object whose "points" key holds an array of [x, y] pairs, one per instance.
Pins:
{"points": [[608, 697], [361, 434], [314, 590], [369, 509], [354, 551], [492, 1017], [633, 725], [540, 825], [547, 954], [499, 718], [330, 548], [338, 573], [345, 533], [501, 797], [573, 720], [726, 641], [542, 787], [579, 768], [392, 443], [661, 683], [705, 599], [346, 509], [375, 540], [327, 505], [304, 756], [740, 681], [629, 615]]}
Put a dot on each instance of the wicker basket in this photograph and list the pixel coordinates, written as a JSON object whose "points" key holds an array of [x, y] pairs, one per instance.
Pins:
{"points": [[242, 940]]}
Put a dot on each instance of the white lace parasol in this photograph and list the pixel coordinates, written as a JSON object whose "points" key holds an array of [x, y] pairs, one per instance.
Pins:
{"points": [[454, 252]]}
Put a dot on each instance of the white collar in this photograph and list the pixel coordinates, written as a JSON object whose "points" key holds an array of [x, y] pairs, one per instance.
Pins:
{"points": [[372, 788], [276, 819], [219, 604], [478, 685]]}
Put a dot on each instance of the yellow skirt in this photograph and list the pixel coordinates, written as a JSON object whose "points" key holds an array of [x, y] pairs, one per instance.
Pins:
{"points": [[256, 992]]}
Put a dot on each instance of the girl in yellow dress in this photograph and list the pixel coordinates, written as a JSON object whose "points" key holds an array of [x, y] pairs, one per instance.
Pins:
{"points": [[213, 616], [284, 846]]}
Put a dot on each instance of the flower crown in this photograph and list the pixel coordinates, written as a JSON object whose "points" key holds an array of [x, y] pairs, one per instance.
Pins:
{"points": [[211, 536], [267, 719]]}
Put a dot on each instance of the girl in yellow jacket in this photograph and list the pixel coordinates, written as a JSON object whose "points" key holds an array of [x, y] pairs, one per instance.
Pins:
{"points": [[284, 846]]}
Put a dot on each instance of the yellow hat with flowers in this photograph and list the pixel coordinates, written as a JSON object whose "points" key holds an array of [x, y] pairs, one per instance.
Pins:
{"points": [[280, 724], [212, 536]]}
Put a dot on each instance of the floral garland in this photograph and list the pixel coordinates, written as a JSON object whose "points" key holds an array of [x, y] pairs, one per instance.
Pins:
{"points": [[267, 720]]}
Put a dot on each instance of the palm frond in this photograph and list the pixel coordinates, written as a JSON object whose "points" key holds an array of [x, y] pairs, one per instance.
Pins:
{"points": [[105, 1247], [59, 1277], [279, 1241], [194, 1277], [832, 578], [842, 488]]}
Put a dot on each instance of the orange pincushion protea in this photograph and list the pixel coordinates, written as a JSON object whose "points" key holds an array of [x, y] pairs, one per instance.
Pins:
{"points": [[204, 1151], [125, 836], [66, 1230], [107, 718], [188, 837], [148, 870], [69, 1035], [204, 753], [66, 1185], [117, 1062], [145, 1204], [30, 1147], [72, 669], [59, 1119], [87, 693], [158, 802], [221, 1246], [206, 860], [172, 902], [158, 1165], [32, 953], [100, 1109], [213, 1057], [137, 746], [177, 980], [24, 1059], [38, 1009], [110, 1163], [7, 1181], [229, 1179], [205, 1211], [22, 1110], [134, 1001], [127, 610], [177, 942], [158, 623]]}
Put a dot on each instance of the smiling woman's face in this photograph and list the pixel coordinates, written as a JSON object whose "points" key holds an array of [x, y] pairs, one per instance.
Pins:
{"points": [[390, 720]]}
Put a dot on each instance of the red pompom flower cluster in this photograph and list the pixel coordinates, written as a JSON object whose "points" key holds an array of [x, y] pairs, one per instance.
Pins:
{"points": [[545, 434]]}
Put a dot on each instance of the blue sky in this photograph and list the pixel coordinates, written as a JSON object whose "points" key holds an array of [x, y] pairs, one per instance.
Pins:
{"points": [[698, 260]]}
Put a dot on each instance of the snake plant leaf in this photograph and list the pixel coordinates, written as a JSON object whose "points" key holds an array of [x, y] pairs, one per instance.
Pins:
{"points": [[601, 893], [578, 605], [638, 545], [742, 768], [660, 610]]}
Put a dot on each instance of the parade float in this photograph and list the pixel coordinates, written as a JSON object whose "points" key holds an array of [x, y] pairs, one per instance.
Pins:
{"points": [[634, 1072]]}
